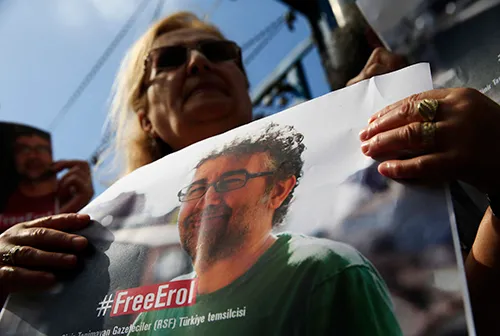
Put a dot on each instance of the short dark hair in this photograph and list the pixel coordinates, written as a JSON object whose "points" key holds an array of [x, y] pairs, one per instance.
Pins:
{"points": [[284, 146], [27, 131]]}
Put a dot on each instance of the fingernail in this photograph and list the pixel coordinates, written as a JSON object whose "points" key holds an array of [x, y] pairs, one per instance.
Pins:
{"points": [[384, 168], [82, 217], [69, 258], [79, 242], [363, 134], [372, 118], [365, 147]]}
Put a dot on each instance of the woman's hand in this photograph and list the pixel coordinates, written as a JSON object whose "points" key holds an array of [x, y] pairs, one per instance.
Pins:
{"points": [[380, 62], [30, 252], [465, 143], [75, 187]]}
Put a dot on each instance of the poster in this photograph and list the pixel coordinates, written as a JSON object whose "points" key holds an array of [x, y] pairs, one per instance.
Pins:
{"points": [[28, 182], [279, 227]]}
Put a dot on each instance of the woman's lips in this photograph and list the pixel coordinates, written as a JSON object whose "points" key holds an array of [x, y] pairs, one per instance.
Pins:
{"points": [[205, 90], [206, 86]]}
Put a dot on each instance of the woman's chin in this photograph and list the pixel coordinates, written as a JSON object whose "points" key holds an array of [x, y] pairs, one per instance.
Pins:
{"points": [[209, 110]]}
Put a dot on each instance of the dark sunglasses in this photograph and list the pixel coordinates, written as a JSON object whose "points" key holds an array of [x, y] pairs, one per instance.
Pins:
{"points": [[171, 57]]}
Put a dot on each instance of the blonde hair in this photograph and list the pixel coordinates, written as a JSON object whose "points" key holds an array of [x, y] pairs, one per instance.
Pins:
{"points": [[132, 146]]}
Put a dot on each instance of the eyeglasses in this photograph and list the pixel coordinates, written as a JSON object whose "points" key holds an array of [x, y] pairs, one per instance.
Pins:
{"points": [[228, 181], [171, 57], [40, 149]]}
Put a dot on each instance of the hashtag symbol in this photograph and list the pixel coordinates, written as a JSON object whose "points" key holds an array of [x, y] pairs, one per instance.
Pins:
{"points": [[104, 305]]}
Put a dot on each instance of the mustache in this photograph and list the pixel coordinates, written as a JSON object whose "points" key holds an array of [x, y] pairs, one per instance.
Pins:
{"points": [[208, 212]]}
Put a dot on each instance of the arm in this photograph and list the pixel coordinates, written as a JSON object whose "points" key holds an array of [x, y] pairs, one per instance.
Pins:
{"points": [[354, 302], [482, 269]]}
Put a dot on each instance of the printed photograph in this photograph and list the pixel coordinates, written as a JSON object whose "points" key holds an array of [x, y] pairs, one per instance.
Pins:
{"points": [[280, 227]]}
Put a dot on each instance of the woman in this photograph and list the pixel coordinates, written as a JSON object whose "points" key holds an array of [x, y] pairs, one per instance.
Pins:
{"points": [[183, 82]]}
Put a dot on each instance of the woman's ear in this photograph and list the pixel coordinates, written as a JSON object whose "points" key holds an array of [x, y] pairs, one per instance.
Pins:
{"points": [[146, 124]]}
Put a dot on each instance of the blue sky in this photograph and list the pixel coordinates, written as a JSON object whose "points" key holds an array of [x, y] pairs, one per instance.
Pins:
{"points": [[48, 46]]}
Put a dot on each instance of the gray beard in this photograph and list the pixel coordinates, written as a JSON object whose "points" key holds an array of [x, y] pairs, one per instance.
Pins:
{"points": [[207, 247], [208, 252]]}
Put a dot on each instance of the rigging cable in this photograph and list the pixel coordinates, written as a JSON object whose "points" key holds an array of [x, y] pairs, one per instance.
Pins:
{"points": [[280, 20], [158, 10], [97, 66], [258, 49], [214, 8], [106, 136]]}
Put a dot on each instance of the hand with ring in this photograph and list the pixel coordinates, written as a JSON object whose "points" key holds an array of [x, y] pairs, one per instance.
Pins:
{"points": [[439, 135], [31, 252]]}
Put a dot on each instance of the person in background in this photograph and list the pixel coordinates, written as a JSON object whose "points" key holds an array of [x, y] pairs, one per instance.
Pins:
{"points": [[39, 193], [189, 89]]}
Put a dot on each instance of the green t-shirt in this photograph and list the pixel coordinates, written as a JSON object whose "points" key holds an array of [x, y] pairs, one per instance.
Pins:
{"points": [[299, 286]]}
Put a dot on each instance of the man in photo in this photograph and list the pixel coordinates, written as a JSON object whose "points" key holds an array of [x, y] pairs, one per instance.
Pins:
{"points": [[38, 192], [252, 281]]}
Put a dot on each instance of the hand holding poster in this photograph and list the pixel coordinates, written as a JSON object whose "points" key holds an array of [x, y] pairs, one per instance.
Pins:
{"points": [[279, 227]]}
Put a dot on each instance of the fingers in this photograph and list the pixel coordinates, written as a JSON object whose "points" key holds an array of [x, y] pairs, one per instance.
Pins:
{"points": [[369, 72], [73, 184], [34, 246], [49, 239], [385, 57], [390, 143], [68, 164], [381, 61], [31, 257], [79, 176], [410, 103], [63, 222], [395, 117], [14, 279], [75, 187], [75, 192], [431, 167]]}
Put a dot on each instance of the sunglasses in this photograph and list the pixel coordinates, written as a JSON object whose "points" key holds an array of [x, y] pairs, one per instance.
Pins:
{"points": [[172, 57]]}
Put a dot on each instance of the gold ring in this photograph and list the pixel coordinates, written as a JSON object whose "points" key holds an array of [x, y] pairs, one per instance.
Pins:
{"points": [[9, 257], [428, 133], [428, 108]]}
